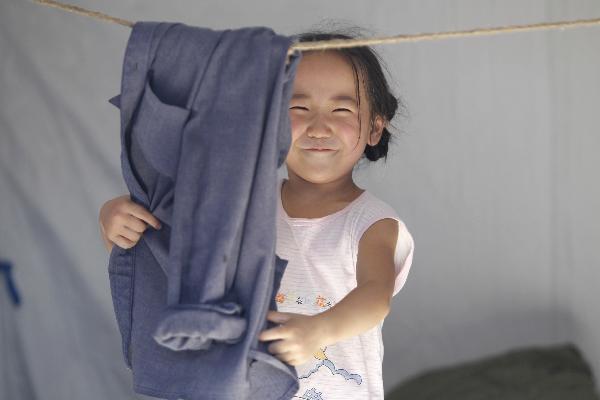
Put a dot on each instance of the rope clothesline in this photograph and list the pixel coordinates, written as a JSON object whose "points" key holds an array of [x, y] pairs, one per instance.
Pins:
{"points": [[343, 43]]}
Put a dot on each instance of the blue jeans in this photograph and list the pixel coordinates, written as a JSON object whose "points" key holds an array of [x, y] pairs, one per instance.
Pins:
{"points": [[204, 127]]}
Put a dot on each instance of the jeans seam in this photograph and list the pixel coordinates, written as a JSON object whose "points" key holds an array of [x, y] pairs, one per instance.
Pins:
{"points": [[131, 298]]}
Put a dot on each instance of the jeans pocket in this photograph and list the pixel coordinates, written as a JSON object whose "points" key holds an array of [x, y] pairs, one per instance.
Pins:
{"points": [[269, 377], [157, 130], [120, 274]]}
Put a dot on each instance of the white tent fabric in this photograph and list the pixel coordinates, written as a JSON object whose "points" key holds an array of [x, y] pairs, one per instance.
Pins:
{"points": [[495, 173]]}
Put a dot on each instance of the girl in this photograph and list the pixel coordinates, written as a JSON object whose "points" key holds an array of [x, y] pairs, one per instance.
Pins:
{"points": [[348, 252]]}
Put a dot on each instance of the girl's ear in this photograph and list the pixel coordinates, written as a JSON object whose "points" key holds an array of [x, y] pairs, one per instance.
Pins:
{"points": [[377, 131]]}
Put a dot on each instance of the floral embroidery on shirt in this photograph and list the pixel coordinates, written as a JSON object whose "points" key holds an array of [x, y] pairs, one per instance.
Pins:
{"points": [[280, 298], [322, 301], [318, 300]]}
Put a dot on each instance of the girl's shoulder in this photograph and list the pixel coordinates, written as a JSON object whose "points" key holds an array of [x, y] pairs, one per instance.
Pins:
{"points": [[371, 210]]}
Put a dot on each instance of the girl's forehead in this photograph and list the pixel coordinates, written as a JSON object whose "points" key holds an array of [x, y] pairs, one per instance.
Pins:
{"points": [[325, 71]]}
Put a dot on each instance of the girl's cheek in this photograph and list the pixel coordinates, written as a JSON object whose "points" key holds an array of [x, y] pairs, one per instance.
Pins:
{"points": [[296, 126], [347, 131]]}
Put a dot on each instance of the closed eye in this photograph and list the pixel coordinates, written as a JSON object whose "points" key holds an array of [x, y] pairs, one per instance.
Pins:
{"points": [[298, 107], [342, 109]]}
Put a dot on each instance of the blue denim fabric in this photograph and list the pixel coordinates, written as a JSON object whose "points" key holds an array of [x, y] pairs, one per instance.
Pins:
{"points": [[204, 127]]}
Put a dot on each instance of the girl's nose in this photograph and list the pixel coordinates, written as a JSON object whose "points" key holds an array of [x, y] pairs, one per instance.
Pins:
{"points": [[318, 127]]}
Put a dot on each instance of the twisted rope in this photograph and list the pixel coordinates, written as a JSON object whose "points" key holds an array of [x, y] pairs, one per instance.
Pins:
{"points": [[343, 43]]}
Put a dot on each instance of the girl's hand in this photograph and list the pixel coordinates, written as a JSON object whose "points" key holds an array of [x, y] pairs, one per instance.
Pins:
{"points": [[301, 337], [122, 222]]}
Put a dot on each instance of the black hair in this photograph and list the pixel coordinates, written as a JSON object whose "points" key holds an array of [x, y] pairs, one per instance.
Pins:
{"points": [[382, 101]]}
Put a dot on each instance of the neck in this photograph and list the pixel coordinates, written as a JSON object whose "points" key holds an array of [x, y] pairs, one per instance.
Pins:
{"points": [[302, 190]]}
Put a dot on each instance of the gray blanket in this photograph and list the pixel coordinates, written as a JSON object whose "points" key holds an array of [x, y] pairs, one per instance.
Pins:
{"points": [[552, 373]]}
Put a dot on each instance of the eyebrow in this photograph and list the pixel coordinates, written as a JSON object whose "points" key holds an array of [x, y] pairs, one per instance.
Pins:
{"points": [[339, 97]]}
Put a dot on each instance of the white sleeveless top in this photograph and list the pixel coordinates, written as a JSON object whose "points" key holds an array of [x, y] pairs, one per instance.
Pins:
{"points": [[321, 270]]}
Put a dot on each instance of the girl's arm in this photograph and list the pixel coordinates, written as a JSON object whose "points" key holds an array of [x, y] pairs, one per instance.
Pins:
{"points": [[299, 337], [369, 303]]}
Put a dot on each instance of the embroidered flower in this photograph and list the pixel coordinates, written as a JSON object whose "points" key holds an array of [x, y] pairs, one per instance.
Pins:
{"points": [[280, 297], [321, 301]]}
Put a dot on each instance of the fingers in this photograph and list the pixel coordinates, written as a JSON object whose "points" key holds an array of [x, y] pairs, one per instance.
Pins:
{"points": [[279, 347], [125, 231], [133, 223], [123, 242], [124, 237], [279, 350], [278, 316], [129, 234], [123, 222], [279, 332], [140, 212]]}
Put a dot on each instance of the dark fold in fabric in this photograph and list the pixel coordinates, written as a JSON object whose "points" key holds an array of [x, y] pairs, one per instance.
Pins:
{"points": [[204, 127]]}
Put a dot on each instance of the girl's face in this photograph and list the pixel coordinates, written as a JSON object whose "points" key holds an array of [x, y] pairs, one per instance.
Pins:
{"points": [[324, 114]]}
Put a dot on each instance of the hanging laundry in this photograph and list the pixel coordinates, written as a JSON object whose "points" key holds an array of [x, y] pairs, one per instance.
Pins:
{"points": [[204, 127]]}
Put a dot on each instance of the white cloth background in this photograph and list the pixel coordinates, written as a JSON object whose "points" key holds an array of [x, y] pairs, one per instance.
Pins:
{"points": [[495, 173]]}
